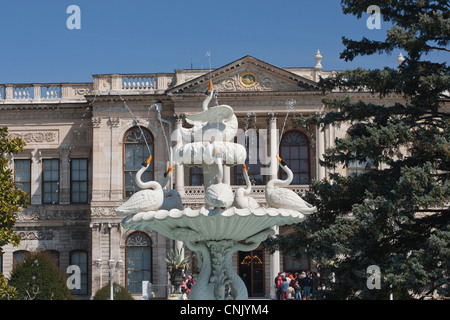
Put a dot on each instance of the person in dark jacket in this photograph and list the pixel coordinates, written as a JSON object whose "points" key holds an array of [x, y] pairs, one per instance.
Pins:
{"points": [[307, 285]]}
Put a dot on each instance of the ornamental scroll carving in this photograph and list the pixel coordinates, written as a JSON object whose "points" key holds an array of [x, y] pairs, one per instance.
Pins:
{"points": [[37, 136], [103, 211], [36, 235], [53, 215]]}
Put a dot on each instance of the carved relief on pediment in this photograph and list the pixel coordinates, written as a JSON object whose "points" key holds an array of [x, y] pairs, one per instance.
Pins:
{"points": [[249, 80]]}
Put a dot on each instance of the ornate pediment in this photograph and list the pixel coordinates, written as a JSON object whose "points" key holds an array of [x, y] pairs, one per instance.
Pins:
{"points": [[248, 75]]}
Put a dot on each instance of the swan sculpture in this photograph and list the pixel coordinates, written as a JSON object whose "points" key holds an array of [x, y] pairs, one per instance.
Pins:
{"points": [[279, 197], [242, 199], [172, 198], [217, 123], [144, 200], [218, 194]]}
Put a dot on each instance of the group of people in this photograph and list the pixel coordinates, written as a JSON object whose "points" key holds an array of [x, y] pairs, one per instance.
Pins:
{"points": [[298, 286]]}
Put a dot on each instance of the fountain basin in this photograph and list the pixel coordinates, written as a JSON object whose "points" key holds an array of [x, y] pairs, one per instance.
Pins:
{"points": [[212, 224], [215, 235]]}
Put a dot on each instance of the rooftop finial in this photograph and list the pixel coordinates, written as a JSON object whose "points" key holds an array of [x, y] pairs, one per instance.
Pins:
{"points": [[318, 59]]}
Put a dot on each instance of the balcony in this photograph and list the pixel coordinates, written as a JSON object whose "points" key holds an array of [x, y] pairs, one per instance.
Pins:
{"points": [[44, 93], [124, 84]]}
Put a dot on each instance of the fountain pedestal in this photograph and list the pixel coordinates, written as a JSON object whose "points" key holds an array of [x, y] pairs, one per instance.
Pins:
{"points": [[216, 269]]}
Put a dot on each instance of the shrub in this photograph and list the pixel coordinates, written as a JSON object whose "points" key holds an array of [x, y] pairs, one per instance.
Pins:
{"points": [[120, 293], [38, 278]]}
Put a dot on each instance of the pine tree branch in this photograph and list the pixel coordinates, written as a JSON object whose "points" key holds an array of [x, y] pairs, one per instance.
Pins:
{"points": [[438, 48]]}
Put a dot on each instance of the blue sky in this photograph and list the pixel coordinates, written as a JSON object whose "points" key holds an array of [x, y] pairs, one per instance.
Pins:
{"points": [[148, 36]]}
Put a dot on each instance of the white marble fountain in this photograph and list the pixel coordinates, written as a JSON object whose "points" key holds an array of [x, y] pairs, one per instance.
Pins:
{"points": [[228, 222]]}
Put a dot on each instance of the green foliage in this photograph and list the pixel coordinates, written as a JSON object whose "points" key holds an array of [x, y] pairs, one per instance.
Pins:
{"points": [[7, 292], [11, 198], [395, 215], [176, 261], [120, 293], [38, 278]]}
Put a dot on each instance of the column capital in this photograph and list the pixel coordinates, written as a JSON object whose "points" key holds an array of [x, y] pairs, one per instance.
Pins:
{"points": [[179, 118], [273, 116]]}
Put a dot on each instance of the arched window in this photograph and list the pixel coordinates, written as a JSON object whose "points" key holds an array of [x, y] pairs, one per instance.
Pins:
{"points": [[294, 150], [80, 259], [138, 146], [19, 256], [139, 261]]}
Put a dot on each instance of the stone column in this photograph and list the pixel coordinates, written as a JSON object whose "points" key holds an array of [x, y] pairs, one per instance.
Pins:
{"points": [[64, 179], [274, 149], [36, 171], [273, 133], [274, 266], [179, 169], [226, 175], [115, 162]]}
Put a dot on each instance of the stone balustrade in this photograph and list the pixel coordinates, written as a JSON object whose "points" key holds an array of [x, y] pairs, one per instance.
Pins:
{"points": [[151, 83], [145, 83], [193, 195], [44, 93]]}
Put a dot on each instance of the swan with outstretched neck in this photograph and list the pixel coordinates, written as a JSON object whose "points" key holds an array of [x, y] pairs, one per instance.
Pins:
{"points": [[210, 121], [279, 197], [150, 198], [242, 199]]}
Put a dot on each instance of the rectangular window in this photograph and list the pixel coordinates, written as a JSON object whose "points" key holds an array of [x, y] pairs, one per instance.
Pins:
{"points": [[22, 175], [80, 259], [50, 181], [79, 180]]}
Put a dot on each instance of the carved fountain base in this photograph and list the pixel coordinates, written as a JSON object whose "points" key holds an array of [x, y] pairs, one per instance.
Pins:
{"points": [[216, 268]]}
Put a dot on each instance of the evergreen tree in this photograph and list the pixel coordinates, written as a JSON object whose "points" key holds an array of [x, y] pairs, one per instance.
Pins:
{"points": [[11, 198], [395, 214]]}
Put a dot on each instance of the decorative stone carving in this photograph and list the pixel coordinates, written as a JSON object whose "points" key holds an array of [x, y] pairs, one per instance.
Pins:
{"points": [[263, 82], [114, 122], [103, 212], [53, 215], [82, 91], [36, 137], [96, 122], [36, 235]]}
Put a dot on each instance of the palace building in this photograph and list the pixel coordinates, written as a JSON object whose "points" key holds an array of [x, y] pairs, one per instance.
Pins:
{"points": [[86, 141]]}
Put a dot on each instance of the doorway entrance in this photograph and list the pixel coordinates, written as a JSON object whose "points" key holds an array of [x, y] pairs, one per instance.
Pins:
{"points": [[251, 270]]}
